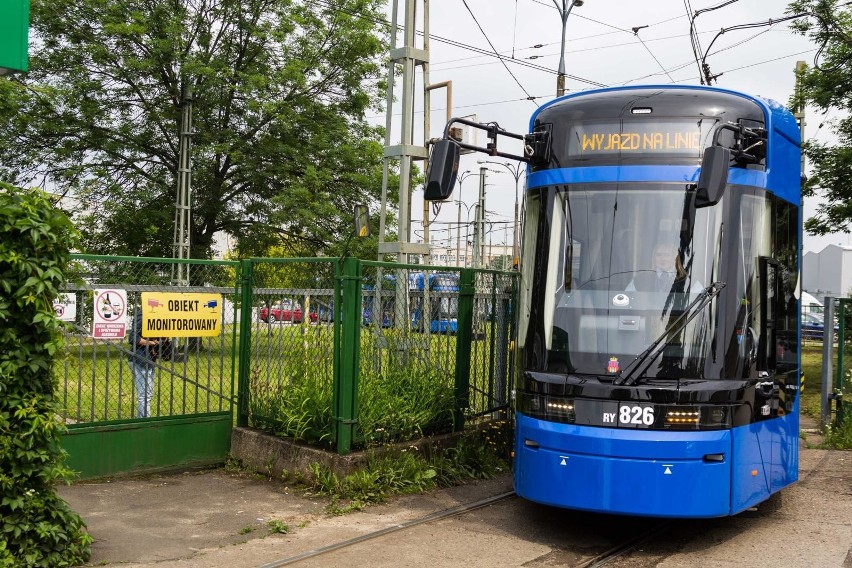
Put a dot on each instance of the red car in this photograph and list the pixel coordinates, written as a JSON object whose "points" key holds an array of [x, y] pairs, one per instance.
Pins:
{"points": [[284, 311]]}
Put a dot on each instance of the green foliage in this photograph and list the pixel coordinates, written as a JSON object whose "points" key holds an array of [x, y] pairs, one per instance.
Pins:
{"points": [[827, 84], [281, 150], [36, 527], [400, 403], [277, 527], [405, 472], [839, 436]]}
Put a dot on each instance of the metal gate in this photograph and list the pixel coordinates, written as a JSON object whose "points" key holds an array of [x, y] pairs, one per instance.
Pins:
{"points": [[191, 405]]}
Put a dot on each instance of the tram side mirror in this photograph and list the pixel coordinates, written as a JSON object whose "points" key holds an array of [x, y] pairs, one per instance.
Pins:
{"points": [[362, 221], [443, 169], [713, 178]]}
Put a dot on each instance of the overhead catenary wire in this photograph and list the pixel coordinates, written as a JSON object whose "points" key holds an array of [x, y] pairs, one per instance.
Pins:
{"points": [[693, 38], [572, 51], [680, 66], [705, 69], [530, 97], [460, 45]]}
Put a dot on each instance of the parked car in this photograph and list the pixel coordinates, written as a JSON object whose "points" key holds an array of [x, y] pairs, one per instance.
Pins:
{"points": [[813, 326], [287, 311]]}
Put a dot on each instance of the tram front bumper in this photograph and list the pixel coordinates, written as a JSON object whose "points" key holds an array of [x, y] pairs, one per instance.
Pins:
{"points": [[651, 473]]}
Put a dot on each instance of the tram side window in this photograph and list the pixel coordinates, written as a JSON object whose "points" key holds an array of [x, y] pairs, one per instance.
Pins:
{"points": [[770, 300], [785, 221]]}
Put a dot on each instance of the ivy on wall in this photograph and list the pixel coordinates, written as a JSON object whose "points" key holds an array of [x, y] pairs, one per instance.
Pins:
{"points": [[37, 528]]}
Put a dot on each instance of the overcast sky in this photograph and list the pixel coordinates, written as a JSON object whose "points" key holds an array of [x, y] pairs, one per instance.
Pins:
{"points": [[601, 49]]}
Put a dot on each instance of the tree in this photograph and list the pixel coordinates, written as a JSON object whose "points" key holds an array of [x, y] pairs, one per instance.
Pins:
{"points": [[279, 90], [827, 85], [37, 528]]}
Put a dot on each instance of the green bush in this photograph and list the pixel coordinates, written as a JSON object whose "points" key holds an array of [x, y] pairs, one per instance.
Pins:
{"points": [[36, 527]]}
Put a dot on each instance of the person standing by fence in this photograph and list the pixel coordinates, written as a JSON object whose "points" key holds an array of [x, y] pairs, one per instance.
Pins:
{"points": [[142, 356]]}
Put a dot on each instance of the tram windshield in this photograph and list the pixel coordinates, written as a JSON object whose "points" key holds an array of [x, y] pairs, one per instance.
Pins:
{"points": [[614, 266]]}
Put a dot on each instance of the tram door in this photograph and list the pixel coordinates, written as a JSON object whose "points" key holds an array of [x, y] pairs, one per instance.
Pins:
{"points": [[777, 357]]}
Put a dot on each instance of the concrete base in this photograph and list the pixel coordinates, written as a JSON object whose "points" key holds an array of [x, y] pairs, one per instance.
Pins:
{"points": [[272, 455]]}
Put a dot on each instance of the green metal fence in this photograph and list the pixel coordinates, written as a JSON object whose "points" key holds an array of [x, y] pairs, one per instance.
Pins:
{"points": [[339, 353], [287, 346], [393, 352], [192, 384], [837, 361]]}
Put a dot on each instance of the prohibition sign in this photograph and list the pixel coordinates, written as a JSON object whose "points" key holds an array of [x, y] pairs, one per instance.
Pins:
{"points": [[110, 306]]}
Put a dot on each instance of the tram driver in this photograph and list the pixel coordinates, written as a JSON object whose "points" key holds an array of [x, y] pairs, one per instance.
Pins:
{"points": [[667, 271]]}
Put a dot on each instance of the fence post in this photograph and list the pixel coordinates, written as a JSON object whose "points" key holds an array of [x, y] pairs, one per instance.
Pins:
{"points": [[838, 390], [464, 339], [347, 354], [244, 355], [827, 358]]}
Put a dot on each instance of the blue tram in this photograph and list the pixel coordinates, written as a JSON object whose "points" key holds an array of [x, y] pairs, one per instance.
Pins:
{"points": [[441, 313], [658, 321]]}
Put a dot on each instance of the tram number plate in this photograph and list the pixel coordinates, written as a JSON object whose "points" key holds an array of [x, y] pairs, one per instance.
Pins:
{"points": [[635, 416]]}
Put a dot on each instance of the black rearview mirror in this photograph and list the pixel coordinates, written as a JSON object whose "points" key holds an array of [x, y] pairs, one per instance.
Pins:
{"points": [[713, 178], [362, 221], [443, 169]]}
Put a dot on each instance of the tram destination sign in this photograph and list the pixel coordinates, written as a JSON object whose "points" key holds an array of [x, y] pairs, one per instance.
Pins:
{"points": [[169, 314], [681, 138]]}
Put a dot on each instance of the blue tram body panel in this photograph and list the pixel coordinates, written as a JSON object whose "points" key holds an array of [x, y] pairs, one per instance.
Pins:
{"points": [[651, 472], [631, 472]]}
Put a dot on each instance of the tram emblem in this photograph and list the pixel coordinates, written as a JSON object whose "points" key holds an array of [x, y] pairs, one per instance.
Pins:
{"points": [[612, 366]]}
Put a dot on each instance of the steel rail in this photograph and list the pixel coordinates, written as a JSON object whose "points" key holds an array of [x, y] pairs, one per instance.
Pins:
{"points": [[629, 546], [438, 515]]}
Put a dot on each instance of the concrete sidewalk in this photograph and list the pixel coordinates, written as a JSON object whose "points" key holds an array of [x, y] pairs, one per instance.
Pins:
{"points": [[215, 517]]}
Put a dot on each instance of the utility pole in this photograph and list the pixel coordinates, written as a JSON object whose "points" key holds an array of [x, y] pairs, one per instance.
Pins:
{"points": [[799, 111], [479, 222], [464, 175], [516, 173], [183, 208], [407, 56], [564, 11]]}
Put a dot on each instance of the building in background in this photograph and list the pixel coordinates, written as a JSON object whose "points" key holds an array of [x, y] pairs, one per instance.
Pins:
{"points": [[496, 257], [828, 272]]}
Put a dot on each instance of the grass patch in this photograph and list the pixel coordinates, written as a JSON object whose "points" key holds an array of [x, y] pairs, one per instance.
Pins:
{"points": [[406, 472], [839, 437], [405, 388], [277, 527]]}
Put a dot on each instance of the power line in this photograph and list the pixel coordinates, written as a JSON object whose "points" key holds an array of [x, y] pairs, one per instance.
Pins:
{"points": [[573, 51], [693, 38], [460, 45], [634, 32], [754, 64], [456, 107], [770, 22], [688, 63], [651, 53], [495, 51]]}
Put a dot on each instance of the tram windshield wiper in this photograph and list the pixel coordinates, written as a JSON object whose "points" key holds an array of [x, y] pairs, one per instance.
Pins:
{"points": [[646, 357]]}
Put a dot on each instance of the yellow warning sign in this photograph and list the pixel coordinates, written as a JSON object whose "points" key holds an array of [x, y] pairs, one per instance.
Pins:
{"points": [[169, 314]]}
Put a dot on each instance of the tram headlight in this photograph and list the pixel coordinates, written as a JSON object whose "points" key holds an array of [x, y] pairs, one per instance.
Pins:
{"points": [[553, 408], [703, 417]]}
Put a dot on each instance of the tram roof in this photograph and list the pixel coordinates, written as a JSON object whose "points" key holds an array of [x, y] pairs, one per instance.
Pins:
{"points": [[783, 173]]}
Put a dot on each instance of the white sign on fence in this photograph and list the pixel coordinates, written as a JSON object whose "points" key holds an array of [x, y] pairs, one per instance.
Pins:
{"points": [[65, 306], [110, 314]]}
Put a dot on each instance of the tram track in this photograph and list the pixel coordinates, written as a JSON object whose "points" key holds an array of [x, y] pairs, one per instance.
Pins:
{"points": [[597, 561], [625, 547], [436, 516]]}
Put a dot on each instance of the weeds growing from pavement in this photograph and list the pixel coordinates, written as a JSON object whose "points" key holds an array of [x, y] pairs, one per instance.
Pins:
{"points": [[839, 437], [405, 472]]}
